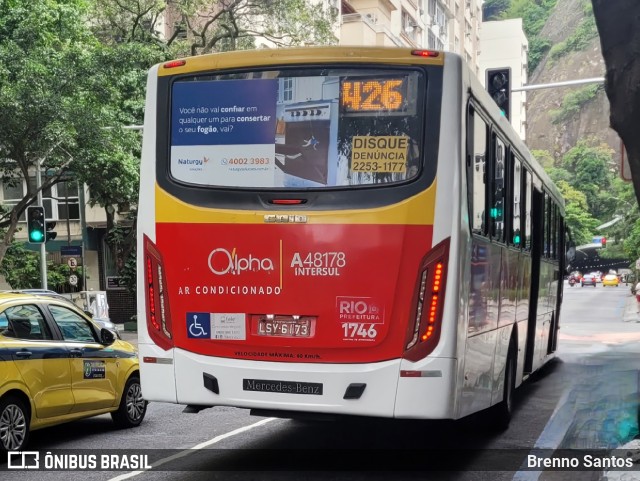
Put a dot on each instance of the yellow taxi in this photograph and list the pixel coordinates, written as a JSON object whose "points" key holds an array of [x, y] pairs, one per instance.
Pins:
{"points": [[56, 365], [610, 280]]}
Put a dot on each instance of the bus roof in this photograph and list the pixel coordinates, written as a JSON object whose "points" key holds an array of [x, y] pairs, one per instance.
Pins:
{"points": [[301, 55]]}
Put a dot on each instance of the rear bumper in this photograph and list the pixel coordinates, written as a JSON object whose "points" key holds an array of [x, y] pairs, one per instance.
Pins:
{"points": [[385, 394]]}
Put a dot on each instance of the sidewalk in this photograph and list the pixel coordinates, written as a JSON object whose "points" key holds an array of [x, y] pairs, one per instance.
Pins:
{"points": [[631, 309]]}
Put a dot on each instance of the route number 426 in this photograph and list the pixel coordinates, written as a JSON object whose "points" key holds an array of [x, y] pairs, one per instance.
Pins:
{"points": [[359, 330]]}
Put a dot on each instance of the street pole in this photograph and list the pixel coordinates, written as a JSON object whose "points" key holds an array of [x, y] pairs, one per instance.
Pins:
{"points": [[43, 246], [567, 83], [83, 228]]}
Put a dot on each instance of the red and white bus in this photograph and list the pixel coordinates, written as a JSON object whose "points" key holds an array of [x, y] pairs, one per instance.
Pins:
{"points": [[344, 231]]}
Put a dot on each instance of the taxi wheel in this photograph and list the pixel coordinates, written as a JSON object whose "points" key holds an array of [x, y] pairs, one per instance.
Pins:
{"points": [[132, 407], [14, 424]]}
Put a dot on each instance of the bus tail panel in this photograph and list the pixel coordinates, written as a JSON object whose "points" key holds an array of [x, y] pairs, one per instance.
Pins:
{"points": [[373, 389], [290, 293]]}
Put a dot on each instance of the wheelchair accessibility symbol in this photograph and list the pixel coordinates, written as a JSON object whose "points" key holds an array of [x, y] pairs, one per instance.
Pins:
{"points": [[199, 325]]}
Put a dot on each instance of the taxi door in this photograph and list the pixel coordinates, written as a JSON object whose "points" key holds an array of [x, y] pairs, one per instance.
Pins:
{"points": [[94, 367], [42, 362]]}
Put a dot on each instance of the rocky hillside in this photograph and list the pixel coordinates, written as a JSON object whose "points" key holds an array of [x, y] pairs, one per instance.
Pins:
{"points": [[557, 118]]}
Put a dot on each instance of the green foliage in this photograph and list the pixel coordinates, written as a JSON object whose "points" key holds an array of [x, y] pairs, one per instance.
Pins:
{"points": [[595, 195], [573, 102], [592, 176], [534, 14], [538, 48], [544, 158], [578, 40], [632, 241], [494, 9], [578, 219], [558, 174], [21, 269]]}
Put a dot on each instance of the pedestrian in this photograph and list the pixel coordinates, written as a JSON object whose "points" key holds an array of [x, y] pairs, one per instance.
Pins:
{"points": [[638, 292]]}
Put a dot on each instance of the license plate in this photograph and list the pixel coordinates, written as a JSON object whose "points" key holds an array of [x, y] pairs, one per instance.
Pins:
{"points": [[284, 387], [284, 328]]}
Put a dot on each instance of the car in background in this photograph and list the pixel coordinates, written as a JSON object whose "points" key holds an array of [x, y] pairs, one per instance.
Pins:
{"points": [[589, 280], [103, 323], [610, 280], [59, 366]]}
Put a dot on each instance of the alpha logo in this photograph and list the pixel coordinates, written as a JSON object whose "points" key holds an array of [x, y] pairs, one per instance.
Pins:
{"points": [[222, 262], [359, 309]]}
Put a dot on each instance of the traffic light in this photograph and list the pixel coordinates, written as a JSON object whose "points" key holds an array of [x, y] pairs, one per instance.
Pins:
{"points": [[36, 224], [496, 211], [499, 87], [50, 233]]}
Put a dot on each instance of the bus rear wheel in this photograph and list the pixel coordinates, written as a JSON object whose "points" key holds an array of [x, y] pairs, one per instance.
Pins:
{"points": [[503, 411]]}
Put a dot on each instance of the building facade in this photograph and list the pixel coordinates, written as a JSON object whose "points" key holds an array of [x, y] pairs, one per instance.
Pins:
{"points": [[452, 25]]}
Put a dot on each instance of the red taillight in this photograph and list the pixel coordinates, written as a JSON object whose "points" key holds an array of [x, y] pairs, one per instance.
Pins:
{"points": [[175, 63], [424, 331], [151, 295], [287, 201], [158, 314], [425, 53]]}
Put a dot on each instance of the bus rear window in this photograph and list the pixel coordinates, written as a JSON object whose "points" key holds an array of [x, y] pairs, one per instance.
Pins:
{"points": [[318, 128]]}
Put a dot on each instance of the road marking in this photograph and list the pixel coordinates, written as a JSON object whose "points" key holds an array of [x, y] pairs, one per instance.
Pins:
{"points": [[189, 451], [552, 434]]}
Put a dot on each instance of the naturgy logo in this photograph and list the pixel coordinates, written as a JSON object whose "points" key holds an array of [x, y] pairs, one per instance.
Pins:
{"points": [[202, 161], [222, 262]]}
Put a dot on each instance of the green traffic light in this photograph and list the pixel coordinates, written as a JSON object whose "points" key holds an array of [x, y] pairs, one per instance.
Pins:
{"points": [[36, 236], [516, 239]]}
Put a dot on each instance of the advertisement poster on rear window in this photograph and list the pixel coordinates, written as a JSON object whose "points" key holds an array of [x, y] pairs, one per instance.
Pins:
{"points": [[296, 132]]}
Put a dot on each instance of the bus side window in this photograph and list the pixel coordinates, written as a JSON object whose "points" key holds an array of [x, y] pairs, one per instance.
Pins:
{"points": [[479, 182], [515, 237], [554, 222], [545, 226], [528, 193], [496, 214]]}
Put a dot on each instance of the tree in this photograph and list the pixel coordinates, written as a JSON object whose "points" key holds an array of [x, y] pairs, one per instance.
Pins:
{"points": [[617, 23], [56, 109], [119, 74], [493, 9], [21, 269], [206, 26], [590, 169], [580, 222]]}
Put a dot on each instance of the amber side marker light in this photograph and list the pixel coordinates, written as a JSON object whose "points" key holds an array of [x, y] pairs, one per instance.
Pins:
{"points": [[175, 63], [434, 301], [425, 53]]}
